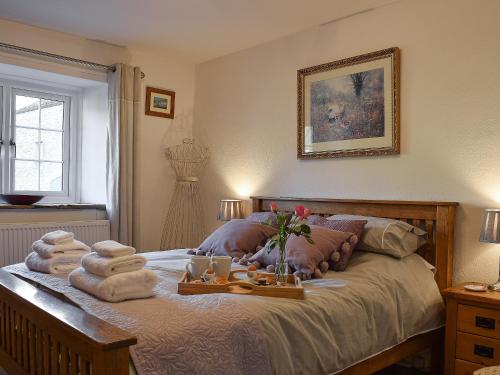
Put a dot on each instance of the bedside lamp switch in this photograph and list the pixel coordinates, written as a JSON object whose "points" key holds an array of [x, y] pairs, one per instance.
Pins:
{"points": [[487, 323], [484, 351]]}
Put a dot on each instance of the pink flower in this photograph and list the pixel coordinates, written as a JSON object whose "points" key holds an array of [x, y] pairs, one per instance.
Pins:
{"points": [[299, 211], [273, 206], [307, 213]]}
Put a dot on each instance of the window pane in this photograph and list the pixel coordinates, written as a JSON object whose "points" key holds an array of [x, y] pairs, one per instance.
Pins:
{"points": [[51, 176], [51, 116], [26, 175], [27, 111], [26, 143], [51, 146], [44, 148]]}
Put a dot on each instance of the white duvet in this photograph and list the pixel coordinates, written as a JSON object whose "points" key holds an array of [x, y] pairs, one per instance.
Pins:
{"points": [[378, 302]]}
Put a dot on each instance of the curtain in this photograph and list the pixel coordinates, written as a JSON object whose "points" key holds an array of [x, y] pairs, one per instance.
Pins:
{"points": [[123, 93]]}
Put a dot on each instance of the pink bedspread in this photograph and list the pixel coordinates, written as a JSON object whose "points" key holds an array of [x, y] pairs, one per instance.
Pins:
{"points": [[346, 317]]}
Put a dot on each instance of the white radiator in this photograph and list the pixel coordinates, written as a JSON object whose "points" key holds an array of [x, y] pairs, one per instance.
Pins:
{"points": [[16, 239]]}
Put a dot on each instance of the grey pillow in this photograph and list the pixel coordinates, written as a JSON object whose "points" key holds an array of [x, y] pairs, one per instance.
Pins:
{"points": [[387, 236], [237, 237]]}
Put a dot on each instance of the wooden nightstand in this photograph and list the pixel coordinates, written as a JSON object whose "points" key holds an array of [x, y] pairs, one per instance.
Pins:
{"points": [[472, 330]]}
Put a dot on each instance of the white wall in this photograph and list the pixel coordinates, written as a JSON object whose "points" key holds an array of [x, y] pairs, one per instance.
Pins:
{"points": [[154, 179], [450, 117]]}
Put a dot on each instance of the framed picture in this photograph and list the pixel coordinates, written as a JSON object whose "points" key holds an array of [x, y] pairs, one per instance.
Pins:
{"points": [[349, 107], [160, 102]]}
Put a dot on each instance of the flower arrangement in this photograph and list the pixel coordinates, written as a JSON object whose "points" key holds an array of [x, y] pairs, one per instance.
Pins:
{"points": [[288, 224]]}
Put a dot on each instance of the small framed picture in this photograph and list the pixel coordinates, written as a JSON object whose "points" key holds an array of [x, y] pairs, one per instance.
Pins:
{"points": [[160, 102]]}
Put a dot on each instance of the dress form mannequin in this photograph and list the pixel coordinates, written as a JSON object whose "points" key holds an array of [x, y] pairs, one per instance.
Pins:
{"points": [[184, 226]]}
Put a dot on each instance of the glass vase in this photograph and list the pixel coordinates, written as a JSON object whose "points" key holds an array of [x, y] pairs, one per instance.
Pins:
{"points": [[281, 268]]}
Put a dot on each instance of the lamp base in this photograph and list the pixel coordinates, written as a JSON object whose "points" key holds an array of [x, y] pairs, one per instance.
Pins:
{"points": [[494, 287]]}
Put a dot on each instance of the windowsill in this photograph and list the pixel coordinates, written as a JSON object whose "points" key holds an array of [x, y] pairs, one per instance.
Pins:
{"points": [[59, 206]]}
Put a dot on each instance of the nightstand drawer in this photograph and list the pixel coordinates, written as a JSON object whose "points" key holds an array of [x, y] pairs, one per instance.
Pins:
{"points": [[466, 368], [478, 349], [479, 321]]}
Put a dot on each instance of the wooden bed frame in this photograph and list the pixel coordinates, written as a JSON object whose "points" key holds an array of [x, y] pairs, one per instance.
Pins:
{"points": [[46, 335], [436, 218]]}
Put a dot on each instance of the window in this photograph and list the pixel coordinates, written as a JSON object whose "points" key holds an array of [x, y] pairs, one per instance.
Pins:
{"points": [[39, 132], [39, 138]]}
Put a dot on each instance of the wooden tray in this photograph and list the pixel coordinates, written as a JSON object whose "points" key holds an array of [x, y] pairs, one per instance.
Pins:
{"points": [[293, 289]]}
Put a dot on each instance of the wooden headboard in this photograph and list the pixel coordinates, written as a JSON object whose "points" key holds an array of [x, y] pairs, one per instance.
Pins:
{"points": [[436, 218]]}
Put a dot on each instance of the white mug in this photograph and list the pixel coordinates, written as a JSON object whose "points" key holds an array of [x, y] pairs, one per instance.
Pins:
{"points": [[197, 265], [221, 265]]}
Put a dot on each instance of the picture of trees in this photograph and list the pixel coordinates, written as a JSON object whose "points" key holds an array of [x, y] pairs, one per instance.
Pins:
{"points": [[348, 107]]}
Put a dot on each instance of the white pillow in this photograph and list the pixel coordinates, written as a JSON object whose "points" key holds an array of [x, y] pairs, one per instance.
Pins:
{"points": [[387, 236]]}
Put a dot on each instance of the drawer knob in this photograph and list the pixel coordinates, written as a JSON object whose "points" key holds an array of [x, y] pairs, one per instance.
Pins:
{"points": [[483, 322], [484, 351]]}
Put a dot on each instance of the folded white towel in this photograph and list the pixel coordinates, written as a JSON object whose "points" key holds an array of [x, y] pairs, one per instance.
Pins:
{"points": [[116, 288], [58, 237], [59, 263], [106, 266], [46, 251], [113, 249]]}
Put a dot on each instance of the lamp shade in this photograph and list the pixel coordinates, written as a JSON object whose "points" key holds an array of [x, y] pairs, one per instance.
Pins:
{"points": [[229, 209], [490, 229]]}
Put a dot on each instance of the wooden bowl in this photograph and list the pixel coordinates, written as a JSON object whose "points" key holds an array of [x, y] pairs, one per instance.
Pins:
{"points": [[21, 199]]}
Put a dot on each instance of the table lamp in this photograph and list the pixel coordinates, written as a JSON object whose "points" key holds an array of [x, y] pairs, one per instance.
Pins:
{"points": [[229, 209], [490, 232]]}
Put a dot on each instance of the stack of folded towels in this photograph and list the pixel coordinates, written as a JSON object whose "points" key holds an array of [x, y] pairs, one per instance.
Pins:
{"points": [[56, 252], [114, 273]]}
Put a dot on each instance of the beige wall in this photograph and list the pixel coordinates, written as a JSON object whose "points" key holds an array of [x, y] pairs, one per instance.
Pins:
{"points": [[154, 183], [450, 104], [154, 177]]}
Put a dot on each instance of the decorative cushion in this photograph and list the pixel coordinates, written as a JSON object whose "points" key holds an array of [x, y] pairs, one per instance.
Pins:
{"points": [[264, 217], [387, 236], [338, 262], [352, 226], [264, 257], [316, 220], [306, 257], [237, 237]]}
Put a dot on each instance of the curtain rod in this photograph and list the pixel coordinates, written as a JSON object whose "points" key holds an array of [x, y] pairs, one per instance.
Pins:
{"points": [[52, 56]]}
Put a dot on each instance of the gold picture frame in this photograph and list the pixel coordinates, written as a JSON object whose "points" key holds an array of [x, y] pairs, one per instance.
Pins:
{"points": [[350, 107]]}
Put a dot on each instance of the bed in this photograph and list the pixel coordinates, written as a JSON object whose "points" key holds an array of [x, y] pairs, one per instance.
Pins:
{"points": [[43, 333]]}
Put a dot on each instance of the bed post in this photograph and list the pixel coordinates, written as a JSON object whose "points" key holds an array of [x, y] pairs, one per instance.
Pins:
{"points": [[445, 224], [40, 334], [113, 362]]}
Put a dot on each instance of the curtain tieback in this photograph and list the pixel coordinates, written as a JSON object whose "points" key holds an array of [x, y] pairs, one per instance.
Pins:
{"points": [[187, 179]]}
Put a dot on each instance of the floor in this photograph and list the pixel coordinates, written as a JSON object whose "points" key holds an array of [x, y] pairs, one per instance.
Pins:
{"points": [[399, 370]]}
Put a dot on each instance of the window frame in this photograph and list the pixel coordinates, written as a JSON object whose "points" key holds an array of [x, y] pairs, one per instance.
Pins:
{"points": [[71, 139]]}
